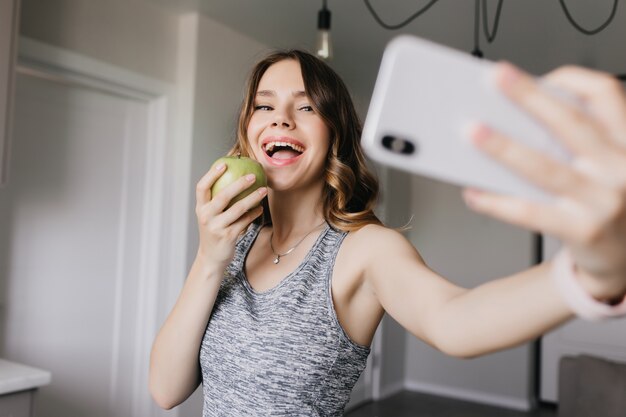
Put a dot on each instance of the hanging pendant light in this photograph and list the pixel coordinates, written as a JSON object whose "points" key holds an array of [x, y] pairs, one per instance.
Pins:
{"points": [[323, 47]]}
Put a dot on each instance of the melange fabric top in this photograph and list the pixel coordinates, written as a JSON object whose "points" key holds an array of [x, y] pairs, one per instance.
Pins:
{"points": [[280, 352]]}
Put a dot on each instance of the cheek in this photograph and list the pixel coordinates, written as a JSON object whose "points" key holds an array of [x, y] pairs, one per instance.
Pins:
{"points": [[250, 131], [324, 133], [318, 128], [257, 121], [253, 131]]}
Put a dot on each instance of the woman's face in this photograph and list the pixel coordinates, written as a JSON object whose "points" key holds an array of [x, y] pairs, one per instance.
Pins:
{"points": [[285, 133]]}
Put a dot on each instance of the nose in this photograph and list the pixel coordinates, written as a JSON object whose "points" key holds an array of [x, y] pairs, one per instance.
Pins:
{"points": [[283, 119]]}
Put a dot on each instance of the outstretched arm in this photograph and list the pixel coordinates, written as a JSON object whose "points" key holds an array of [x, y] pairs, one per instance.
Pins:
{"points": [[458, 321]]}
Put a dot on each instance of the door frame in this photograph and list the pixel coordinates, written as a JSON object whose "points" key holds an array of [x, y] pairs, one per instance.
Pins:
{"points": [[165, 205], [9, 29]]}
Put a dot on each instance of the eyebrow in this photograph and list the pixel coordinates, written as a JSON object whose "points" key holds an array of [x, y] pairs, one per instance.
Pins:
{"points": [[272, 93]]}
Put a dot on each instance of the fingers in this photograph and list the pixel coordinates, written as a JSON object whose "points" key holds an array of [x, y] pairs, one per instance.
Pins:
{"points": [[211, 210], [553, 176], [203, 188], [602, 93], [230, 230], [510, 209], [244, 221], [567, 221], [242, 207], [214, 210], [223, 199], [570, 124]]}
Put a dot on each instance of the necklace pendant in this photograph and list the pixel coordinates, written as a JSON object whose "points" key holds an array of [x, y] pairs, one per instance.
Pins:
{"points": [[277, 259]]}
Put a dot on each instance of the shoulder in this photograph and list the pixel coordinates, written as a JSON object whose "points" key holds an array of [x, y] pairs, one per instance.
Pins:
{"points": [[374, 243]]}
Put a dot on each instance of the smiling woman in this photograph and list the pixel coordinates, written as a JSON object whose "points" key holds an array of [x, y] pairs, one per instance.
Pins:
{"points": [[277, 314]]}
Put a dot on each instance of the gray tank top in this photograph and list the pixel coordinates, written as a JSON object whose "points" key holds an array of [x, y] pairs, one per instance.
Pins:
{"points": [[281, 352]]}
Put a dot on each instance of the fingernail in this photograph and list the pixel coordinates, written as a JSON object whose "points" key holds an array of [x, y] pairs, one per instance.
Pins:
{"points": [[481, 134], [262, 190], [471, 197], [508, 75], [220, 167], [250, 177]]}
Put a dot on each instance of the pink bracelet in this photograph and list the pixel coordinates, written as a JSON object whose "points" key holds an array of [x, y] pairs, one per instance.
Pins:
{"points": [[584, 305]]}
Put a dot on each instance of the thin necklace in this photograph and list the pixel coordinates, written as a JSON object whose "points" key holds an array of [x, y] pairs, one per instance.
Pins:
{"points": [[280, 255]]}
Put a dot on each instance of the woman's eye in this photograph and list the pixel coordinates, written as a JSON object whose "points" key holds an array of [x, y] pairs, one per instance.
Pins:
{"points": [[306, 108], [262, 107]]}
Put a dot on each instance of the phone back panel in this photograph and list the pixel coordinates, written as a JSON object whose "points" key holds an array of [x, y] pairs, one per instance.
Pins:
{"points": [[425, 99]]}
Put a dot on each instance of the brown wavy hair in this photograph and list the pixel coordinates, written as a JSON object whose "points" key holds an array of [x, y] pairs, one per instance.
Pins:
{"points": [[350, 188]]}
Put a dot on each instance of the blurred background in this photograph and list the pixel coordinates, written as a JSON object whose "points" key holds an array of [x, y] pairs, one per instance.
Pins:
{"points": [[118, 107]]}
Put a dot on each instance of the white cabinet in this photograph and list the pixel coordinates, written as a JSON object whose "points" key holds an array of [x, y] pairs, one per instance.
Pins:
{"points": [[8, 45], [18, 385], [18, 404]]}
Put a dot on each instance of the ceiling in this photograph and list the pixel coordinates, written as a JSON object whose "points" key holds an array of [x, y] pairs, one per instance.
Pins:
{"points": [[533, 33], [358, 41]]}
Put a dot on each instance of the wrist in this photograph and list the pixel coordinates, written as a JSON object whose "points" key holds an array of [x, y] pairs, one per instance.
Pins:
{"points": [[602, 290], [206, 268], [570, 283]]}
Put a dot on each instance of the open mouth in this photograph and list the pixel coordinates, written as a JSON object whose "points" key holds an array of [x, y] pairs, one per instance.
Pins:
{"points": [[282, 150]]}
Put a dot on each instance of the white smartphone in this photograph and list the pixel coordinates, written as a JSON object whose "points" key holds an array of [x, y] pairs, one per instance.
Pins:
{"points": [[425, 99]]}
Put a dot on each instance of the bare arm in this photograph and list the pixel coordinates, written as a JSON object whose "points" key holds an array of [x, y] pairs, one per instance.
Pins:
{"points": [[458, 321], [174, 366], [502, 313]]}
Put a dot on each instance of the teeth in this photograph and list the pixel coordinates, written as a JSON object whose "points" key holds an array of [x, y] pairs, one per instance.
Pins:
{"points": [[269, 146]]}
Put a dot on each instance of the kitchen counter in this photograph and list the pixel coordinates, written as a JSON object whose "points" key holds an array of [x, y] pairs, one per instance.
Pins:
{"points": [[16, 377]]}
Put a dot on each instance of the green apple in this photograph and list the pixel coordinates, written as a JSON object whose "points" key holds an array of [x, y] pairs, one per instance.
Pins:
{"points": [[237, 167]]}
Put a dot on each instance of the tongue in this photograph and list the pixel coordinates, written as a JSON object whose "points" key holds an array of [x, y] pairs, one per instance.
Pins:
{"points": [[285, 154]]}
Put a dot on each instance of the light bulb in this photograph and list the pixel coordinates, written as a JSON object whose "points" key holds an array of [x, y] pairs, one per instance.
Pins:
{"points": [[324, 45], [324, 48]]}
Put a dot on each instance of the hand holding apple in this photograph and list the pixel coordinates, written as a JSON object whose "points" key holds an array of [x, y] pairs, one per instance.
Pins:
{"points": [[237, 167], [219, 227]]}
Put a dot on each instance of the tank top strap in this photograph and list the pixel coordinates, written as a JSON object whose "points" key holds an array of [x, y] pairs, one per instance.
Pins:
{"points": [[327, 251], [244, 243], [321, 258]]}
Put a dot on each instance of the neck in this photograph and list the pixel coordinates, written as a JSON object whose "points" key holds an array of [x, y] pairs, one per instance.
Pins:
{"points": [[295, 214]]}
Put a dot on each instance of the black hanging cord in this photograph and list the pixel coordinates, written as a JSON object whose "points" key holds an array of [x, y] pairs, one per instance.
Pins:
{"points": [[476, 51], [491, 36], [405, 22], [589, 31], [485, 18], [496, 20]]}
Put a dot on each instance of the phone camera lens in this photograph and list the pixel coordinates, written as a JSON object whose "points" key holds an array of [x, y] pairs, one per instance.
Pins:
{"points": [[397, 145]]}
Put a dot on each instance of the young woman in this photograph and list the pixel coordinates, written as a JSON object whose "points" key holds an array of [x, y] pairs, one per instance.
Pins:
{"points": [[285, 294]]}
